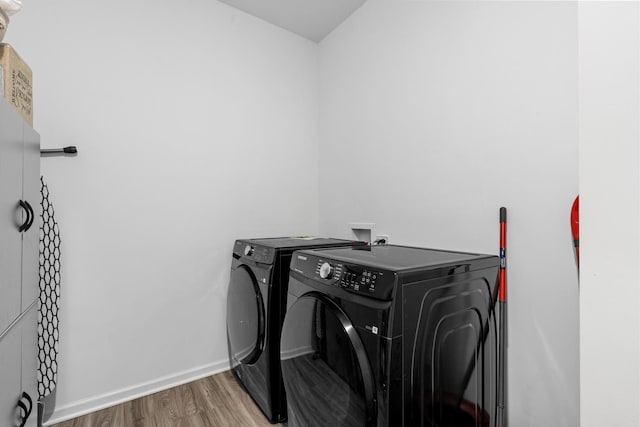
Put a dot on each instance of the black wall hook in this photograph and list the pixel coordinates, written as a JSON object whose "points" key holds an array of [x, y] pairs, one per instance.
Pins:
{"points": [[70, 151]]}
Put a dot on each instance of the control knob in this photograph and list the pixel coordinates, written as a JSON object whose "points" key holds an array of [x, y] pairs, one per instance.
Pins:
{"points": [[248, 250], [326, 270]]}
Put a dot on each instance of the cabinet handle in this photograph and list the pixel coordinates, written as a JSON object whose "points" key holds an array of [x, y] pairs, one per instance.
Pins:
{"points": [[26, 411], [25, 205], [32, 216]]}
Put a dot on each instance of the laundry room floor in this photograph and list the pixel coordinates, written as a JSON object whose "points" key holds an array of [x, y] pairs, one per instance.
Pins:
{"points": [[212, 401]]}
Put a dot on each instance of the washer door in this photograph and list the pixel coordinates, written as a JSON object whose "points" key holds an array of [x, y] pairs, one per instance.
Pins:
{"points": [[245, 317], [327, 376]]}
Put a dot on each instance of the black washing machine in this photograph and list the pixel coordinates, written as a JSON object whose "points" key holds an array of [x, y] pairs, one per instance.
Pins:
{"points": [[390, 336], [256, 303]]}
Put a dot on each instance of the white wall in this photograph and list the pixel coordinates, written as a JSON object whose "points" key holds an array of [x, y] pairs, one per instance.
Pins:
{"points": [[187, 118], [432, 116], [435, 114], [609, 214]]}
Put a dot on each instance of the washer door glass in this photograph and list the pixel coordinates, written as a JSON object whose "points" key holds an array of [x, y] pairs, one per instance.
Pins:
{"points": [[245, 317], [326, 373]]}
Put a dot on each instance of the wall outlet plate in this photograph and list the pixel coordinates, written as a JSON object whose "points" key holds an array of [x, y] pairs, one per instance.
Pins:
{"points": [[384, 237]]}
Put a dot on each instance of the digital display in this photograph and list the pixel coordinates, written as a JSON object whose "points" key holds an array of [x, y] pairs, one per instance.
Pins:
{"points": [[359, 279]]}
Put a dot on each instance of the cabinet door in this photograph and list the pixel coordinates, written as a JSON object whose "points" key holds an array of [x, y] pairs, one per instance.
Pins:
{"points": [[29, 331], [10, 371], [31, 237], [11, 214]]}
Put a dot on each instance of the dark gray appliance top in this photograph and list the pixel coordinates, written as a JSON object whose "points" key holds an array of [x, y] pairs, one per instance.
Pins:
{"points": [[298, 242], [398, 258], [264, 250]]}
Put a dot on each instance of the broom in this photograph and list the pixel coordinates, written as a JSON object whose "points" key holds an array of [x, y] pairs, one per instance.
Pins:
{"points": [[502, 344]]}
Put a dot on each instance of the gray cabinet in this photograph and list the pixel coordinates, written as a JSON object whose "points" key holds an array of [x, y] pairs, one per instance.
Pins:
{"points": [[29, 360], [10, 376], [31, 237], [19, 252], [11, 215]]}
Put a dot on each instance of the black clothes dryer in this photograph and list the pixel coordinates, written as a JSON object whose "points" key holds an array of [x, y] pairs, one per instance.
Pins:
{"points": [[390, 336], [256, 303]]}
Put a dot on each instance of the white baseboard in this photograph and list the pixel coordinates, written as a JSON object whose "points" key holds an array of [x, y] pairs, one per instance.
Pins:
{"points": [[96, 403]]}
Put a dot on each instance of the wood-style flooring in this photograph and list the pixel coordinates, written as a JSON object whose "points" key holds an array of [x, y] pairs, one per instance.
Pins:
{"points": [[210, 402]]}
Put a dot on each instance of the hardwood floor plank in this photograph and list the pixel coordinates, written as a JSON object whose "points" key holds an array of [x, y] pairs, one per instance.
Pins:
{"points": [[137, 411], [216, 401], [187, 398], [107, 417]]}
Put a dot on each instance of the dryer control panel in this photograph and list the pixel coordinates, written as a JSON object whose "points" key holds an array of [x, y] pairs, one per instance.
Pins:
{"points": [[359, 278], [363, 280]]}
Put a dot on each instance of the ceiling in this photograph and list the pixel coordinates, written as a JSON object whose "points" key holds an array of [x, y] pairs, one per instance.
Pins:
{"points": [[312, 19]]}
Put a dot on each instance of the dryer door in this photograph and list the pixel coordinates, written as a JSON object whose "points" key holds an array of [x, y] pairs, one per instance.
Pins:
{"points": [[327, 376], [245, 317]]}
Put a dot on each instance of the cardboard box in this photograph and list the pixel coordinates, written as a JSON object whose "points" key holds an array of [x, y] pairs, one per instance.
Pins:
{"points": [[16, 82]]}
